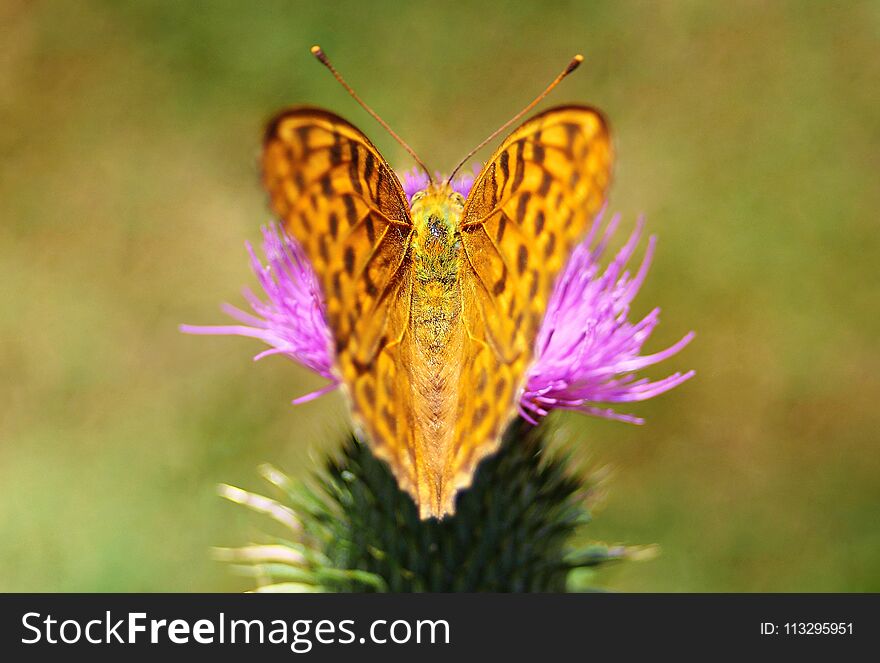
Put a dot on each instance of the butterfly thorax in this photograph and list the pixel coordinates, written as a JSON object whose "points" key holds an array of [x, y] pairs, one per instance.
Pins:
{"points": [[436, 256]]}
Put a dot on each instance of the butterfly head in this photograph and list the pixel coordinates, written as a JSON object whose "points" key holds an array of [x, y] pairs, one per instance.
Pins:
{"points": [[437, 199], [437, 204]]}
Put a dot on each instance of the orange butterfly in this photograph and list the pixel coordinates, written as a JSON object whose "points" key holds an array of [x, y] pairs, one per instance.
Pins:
{"points": [[434, 302]]}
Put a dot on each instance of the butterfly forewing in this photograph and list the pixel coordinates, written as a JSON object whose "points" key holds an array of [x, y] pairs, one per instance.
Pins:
{"points": [[531, 202], [339, 198]]}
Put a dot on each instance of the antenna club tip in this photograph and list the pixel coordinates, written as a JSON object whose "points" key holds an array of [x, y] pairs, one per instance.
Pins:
{"points": [[318, 52], [575, 63]]}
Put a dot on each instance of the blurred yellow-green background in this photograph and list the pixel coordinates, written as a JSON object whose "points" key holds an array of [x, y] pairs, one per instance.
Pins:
{"points": [[747, 132]]}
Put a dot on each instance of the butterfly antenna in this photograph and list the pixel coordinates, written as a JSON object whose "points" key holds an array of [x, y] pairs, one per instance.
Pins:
{"points": [[574, 64], [322, 58]]}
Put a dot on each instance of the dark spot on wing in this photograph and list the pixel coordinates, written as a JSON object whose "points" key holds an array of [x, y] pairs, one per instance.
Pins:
{"points": [[299, 180], [333, 222], [502, 224], [336, 151], [546, 181], [519, 172], [539, 222], [327, 185], [350, 211], [369, 166], [500, 284], [522, 207], [302, 133], [551, 245], [504, 162], [538, 152], [522, 258], [353, 167], [571, 132]]}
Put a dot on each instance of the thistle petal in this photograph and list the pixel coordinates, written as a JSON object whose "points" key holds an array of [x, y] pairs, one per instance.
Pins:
{"points": [[587, 350], [292, 320]]}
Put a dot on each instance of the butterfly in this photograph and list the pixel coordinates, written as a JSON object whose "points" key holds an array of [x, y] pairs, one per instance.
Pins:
{"points": [[434, 301]]}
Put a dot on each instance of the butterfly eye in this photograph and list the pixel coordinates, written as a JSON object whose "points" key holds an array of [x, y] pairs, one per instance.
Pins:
{"points": [[456, 197], [418, 195]]}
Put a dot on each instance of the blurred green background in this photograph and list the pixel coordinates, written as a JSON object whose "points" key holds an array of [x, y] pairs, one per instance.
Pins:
{"points": [[747, 132]]}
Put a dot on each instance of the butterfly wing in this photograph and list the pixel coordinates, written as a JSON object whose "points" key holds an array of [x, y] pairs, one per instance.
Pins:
{"points": [[530, 203], [339, 198]]}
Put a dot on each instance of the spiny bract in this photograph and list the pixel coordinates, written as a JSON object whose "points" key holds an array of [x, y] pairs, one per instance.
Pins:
{"points": [[514, 530]]}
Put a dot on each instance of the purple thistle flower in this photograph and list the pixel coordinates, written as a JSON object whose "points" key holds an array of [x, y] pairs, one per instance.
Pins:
{"points": [[293, 319], [587, 352], [463, 183], [413, 181]]}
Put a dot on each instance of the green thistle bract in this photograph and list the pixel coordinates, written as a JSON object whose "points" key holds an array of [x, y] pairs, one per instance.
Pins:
{"points": [[355, 530]]}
